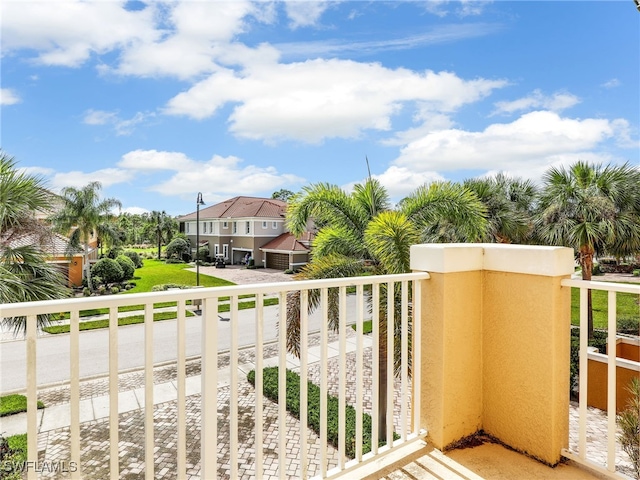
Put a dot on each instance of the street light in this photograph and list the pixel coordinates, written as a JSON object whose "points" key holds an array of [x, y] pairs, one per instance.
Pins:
{"points": [[199, 202]]}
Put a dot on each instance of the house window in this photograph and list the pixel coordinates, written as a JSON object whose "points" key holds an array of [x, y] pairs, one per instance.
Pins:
{"points": [[248, 227], [274, 225], [264, 224], [216, 249], [204, 227], [225, 251], [186, 228], [235, 227], [225, 225], [210, 227]]}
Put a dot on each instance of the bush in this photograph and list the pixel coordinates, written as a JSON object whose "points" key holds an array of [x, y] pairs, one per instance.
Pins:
{"points": [[108, 270], [177, 247], [86, 292], [596, 270], [629, 423], [167, 286], [115, 290], [128, 267], [270, 388], [636, 273], [599, 341], [174, 260], [628, 325], [135, 258]]}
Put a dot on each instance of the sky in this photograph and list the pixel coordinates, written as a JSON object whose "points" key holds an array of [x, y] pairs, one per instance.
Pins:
{"points": [[160, 100]]}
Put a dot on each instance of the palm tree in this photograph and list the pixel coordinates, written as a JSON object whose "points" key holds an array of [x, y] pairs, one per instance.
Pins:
{"points": [[24, 273], [509, 203], [83, 212], [161, 227], [359, 229], [593, 209]]}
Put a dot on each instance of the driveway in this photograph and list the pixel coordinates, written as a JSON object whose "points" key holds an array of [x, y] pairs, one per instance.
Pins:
{"points": [[242, 275]]}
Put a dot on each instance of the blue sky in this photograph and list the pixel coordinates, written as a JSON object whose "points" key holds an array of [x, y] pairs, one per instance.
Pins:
{"points": [[160, 100]]}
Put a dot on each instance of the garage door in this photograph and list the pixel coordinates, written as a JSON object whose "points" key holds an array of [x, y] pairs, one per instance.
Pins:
{"points": [[279, 261]]}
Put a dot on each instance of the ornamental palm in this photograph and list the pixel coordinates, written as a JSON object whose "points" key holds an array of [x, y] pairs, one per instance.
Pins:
{"points": [[593, 209], [82, 213], [24, 273], [161, 227]]}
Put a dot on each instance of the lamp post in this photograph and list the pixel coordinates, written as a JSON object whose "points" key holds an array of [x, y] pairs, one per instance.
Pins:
{"points": [[199, 202]]}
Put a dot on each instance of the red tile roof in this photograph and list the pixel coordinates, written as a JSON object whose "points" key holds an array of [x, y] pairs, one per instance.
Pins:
{"points": [[241, 207], [286, 243]]}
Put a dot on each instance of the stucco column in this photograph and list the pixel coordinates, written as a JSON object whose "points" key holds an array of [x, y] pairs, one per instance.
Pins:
{"points": [[495, 344]]}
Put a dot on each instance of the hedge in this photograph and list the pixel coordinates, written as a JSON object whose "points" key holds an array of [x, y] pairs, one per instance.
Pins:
{"points": [[270, 389]]}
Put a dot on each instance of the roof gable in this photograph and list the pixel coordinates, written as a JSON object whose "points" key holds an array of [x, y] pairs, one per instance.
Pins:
{"points": [[241, 207]]}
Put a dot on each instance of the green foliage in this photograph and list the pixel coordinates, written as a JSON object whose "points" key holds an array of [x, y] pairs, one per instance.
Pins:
{"points": [[157, 272], [270, 389], [627, 306], [135, 257], [599, 341], [129, 320], [628, 325], [166, 286], [108, 270], [636, 273], [13, 451], [177, 247], [12, 404], [128, 267], [629, 423]]}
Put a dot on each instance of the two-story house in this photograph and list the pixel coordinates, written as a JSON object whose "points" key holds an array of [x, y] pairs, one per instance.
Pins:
{"points": [[247, 225]]}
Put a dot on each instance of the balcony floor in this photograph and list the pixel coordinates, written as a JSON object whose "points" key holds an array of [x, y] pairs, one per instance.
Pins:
{"points": [[484, 462]]}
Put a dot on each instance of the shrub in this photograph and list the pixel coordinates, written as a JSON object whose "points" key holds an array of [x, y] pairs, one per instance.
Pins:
{"points": [[628, 325], [174, 260], [629, 423], [135, 258], [128, 267], [115, 290], [270, 388], [167, 286], [177, 247], [599, 341], [108, 270], [597, 270], [86, 292], [288, 271], [636, 273]]}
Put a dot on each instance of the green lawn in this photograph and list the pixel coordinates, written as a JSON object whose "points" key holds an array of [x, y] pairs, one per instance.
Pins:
{"points": [[627, 306], [156, 272], [12, 404]]}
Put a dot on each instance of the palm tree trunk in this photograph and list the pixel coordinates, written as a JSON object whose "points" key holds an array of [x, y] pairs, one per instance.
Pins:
{"points": [[586, 261]]}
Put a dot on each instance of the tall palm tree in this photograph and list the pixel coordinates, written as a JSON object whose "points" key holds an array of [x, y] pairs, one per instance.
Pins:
{"points": [[81, 215], [593, 209], [359, 227], [24, 273], [161, 227]]}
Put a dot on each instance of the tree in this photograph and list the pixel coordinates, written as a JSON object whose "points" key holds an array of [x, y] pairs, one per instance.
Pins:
{"points": [[283, 194], [25, 275], [359, 229], [162, 227], [83, 211], [592, 208]]}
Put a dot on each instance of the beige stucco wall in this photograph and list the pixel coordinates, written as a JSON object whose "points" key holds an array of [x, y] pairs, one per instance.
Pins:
{"points": [[495, 343]]}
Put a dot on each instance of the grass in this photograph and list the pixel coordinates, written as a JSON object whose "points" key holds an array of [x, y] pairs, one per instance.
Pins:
{"points": [[12, 404], [156, 272], [367, 326], [627, 306], [157, 317]]}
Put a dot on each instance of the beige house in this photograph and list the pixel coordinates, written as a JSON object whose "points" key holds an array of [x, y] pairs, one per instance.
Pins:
{"points": [[245, 225]]}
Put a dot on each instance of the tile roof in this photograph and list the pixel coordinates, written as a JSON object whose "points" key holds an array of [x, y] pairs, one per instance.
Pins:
{"points": [[286, 243], [241, 207], [54, 244]]}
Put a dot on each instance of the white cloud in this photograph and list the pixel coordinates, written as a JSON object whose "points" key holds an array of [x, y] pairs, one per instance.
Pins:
{"points": [[135, 210], [121, 126], [526, 146], [68, 33], [9, 97], [225, 176], [536, 100], [99, 117], [401, 181], [156, 160], [305, 13], [317, 99], [77, 179], [613, 83]]}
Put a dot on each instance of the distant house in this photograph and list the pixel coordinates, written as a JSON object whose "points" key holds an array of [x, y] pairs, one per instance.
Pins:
{"points": [[245, 225], [286, 252]]}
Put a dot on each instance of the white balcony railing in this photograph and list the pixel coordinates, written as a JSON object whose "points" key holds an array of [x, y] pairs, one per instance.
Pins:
{"points": [[582, 453], [359, 300]]}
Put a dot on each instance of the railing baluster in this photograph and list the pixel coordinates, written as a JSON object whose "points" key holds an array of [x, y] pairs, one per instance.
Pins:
{"points": [[114, 437], [375, 367], [404, 345], [416, 363], [74, 393], [582, 406], [209, 389], [259, 385], [282, 387], [149, 439], [233, 398], [390, 354], [181, 446], [359, 374], [611, 382], [342, 375], [304, 389], [32, 395], [324, 360]]}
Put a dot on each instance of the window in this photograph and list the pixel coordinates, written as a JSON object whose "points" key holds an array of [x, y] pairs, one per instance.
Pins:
{"points": [[210, 227], [186, 227], [204, 227], [235, 227], [225, 251], [225, 225], [274, 225], [264, 224], [248, 227], [216, 249]]}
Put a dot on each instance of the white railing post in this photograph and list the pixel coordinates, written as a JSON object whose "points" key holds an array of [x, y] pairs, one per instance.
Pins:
{"points": [[32, 395], [114, 427], [74, 393], [209, 390]]}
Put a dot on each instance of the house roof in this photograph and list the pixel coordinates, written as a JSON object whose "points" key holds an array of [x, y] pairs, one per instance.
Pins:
{"points": [[53, 244], [241, 207], [285, 243]]}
